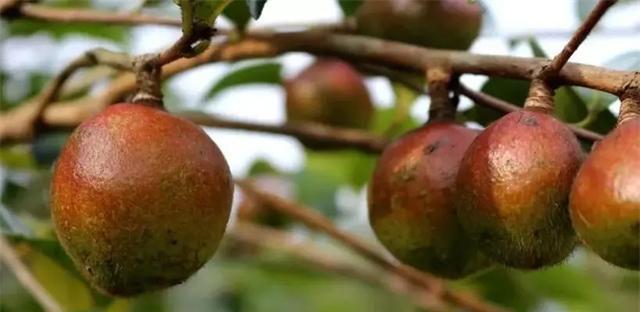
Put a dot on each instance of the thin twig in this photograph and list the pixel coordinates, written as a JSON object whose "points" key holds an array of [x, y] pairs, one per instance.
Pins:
{"points": [[318, 222], [89, 58], [504, 106], [578, 37], [308, 252], [333, 137], [12, 260]]}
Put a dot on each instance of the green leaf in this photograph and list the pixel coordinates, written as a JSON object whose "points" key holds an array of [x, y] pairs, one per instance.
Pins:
{"points": [[385, 122], [325, 172], [255, 7], [569, 106], [16, 157], [238, 13], [349, 7], [69, 290], [261, 167], [268, 73], [24, 27], [536, 48], [603, 123]]}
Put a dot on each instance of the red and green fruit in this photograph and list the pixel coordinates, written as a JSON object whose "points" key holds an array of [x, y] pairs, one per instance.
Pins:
{"points": [[411, 201], [445, 24], [605, 199], [329, 92], [513, 190], [140, 199]]}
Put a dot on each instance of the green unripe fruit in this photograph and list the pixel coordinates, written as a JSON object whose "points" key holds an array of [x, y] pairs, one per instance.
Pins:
{"points": [[513, 190], [605, 199], [140, 199], [329, 92], [411, 201], [442, 24]]}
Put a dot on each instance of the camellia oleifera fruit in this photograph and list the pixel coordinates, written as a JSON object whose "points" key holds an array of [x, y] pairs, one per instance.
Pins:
{"points": [[411, 201], [513, 189], [330, 92], [443, 24], [605, 199], [140, 199]]}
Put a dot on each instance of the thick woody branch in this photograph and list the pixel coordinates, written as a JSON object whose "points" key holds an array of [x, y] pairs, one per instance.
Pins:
{"points": [[318, 222], [309, 253], [69, 115]]}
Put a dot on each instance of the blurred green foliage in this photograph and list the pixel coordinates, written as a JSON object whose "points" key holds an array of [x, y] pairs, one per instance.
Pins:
{"points": [[265, 280]]}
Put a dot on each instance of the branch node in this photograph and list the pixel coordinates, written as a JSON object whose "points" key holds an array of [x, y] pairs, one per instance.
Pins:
{"points": [[540, 97], [148, 71], [630, 105], [438, 81]]}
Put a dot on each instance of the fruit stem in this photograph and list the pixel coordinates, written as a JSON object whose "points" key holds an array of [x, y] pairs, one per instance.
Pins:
{"points": [[441, 108], [540, 97], [630, 106], [148, 70]]}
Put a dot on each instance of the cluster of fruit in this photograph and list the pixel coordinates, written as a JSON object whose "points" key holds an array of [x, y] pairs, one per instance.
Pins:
{"points": [[140, 199]]}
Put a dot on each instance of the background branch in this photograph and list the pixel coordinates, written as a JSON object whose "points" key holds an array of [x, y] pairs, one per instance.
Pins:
{"points": [[67, 15], [331, 137], [24, 276], [318, 222], [307, 252]]}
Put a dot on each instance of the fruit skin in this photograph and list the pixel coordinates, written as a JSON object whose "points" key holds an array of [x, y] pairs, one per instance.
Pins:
{"points": [[446, 24], [330, 92], [139, 199], [411, 201], [605, 198], [513, 190]]}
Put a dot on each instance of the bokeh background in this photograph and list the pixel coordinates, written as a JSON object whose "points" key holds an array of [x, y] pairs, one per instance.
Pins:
{"points": [[334, 183]]}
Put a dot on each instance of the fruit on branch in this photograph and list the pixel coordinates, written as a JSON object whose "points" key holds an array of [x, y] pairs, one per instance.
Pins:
{"points": [[446, 24], [605, 199], [513, 188], [330, 92], [140, 199], [411, 201], [253, 211]]}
